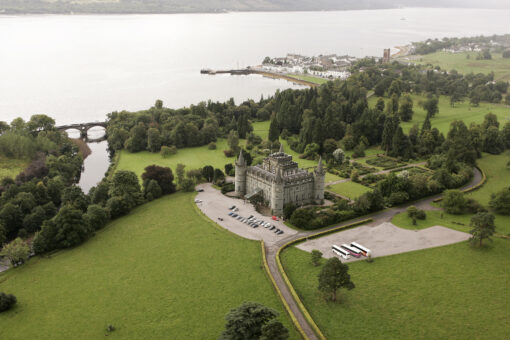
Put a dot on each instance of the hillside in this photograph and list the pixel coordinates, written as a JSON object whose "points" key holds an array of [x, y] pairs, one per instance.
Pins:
{"points": [[212, 6]]}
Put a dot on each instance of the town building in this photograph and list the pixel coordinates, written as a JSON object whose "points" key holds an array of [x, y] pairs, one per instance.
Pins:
{"points": [[279, 181]]}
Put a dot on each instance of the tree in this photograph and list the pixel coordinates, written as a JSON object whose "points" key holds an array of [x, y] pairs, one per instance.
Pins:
{"points": [[431, 105], [153, 140], [500, 202], [218, 176], [6, 301], [179, 171], [406, 108], [506, 54], [125, 184], [16, 251], [311, 151], [391, 124], [492, 141], [316, 257], [334, 275], [208, 173], [96, 216], [483, 227], [162, 175], [339, 156], [380, 104], [167, 151], [233, 141], [454, 201], [243, 126], [3, 235], [274, 330], [71, 228], [247, 321], [74, 196]]}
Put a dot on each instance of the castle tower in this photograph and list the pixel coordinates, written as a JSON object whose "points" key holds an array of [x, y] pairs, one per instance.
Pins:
{"points": [[240, 179], [386, 55], [281, 148], [319, 176], [277, 194]]}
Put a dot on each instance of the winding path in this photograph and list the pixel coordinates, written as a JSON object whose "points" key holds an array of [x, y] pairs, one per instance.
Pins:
{"points": [[378, 218]]}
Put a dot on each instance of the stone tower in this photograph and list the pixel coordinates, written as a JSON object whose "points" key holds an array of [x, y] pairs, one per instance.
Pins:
{"points": [[386, 56], [277, 194], [319, 178], [240, 179]]}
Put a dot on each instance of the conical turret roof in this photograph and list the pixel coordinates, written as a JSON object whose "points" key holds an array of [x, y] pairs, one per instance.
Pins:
{"points": [[281, 148], [240, 159]]}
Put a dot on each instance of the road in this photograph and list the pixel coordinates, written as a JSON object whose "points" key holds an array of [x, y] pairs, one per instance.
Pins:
{"points": [[378, 218]]}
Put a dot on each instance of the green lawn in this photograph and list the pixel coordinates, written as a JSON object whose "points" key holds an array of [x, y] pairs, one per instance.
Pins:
{"points": [[462, 111], [349, 189], [198, 157], [193, 158], [459, 62], [498, 176], [452, 292], [312, 79], [162, 272], [11, 167]]}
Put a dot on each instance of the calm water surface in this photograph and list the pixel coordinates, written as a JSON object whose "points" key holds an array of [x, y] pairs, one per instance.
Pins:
{"points": [[79, 68]]}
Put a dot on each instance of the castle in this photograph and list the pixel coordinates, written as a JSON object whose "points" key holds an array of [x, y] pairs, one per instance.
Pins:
{"points": [[279, 181]]}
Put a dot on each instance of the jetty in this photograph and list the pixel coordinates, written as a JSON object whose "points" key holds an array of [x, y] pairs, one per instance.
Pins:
{"points": [[248, 70]]}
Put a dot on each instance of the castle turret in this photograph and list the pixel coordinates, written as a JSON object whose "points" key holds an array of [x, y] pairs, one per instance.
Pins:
{"points": [[281, 148], [319, 176], [240, 179], [277, 194]]}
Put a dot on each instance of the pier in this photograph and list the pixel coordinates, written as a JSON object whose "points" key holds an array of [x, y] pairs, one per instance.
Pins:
{"points": [[247, 71]]}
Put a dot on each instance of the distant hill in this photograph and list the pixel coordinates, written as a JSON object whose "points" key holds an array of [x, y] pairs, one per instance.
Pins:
{"points": [[213, 6]]}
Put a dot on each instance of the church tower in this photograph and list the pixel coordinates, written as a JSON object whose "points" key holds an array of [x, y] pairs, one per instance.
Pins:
{"points": [[240, 179], [277, 194], [319, 176]]}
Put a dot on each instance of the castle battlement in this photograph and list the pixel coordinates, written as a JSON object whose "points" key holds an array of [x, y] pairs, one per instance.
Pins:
{"points": [[280, 181]]}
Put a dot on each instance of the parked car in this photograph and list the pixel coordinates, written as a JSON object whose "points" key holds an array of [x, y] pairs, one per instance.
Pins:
{"points": [[280, 232], [273, 227]]}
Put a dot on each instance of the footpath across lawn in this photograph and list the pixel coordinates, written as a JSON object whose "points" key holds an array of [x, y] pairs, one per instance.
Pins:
{"points": [[441, 293], [162, 272]]}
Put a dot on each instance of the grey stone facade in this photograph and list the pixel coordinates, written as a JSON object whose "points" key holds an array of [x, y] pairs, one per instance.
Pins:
{"points": [[280, 181]]}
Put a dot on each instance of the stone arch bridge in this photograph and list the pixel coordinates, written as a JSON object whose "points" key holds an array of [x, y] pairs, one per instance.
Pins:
{"points": [[84, 128]]}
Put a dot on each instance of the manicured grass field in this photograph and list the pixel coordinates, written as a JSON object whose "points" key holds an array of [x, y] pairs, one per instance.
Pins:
{"points": [[447, 114], [452, 292], [498, 176], [459, 62], [162, 272], [193, 158], [198, 157], [11, 167], [349, 189], [312, 79]]}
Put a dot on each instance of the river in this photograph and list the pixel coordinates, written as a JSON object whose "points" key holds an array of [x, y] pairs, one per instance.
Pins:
{"points": [[77, 68]]}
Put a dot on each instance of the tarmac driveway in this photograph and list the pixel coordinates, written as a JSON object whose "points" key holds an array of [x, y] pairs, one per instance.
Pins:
{"points": [[216, 205], [386, 239]]}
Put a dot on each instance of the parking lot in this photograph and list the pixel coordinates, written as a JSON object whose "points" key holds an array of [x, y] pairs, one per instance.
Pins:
{"points": [[386, 239], [217, 207]]}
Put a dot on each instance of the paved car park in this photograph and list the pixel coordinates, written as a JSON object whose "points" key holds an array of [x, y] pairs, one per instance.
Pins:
{"points": [[218, 206], [386, 239]]}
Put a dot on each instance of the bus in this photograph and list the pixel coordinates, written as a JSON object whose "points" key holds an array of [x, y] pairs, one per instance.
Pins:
{"points": [[340, 252], [364, 251], [353, 251]]}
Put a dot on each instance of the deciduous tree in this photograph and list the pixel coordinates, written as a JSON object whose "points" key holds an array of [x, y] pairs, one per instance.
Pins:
{"points": [[333, 276]]}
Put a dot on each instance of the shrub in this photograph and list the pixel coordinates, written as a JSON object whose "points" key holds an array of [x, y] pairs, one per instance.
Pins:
{"points": [[152, 189], [211, 146], [228, 187], [6, 301], [288, 210], [17, 251], [415, 213], [500, 202], [454, 202], [398, 197], [167, 151], [228, 153], [96, 216]]}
